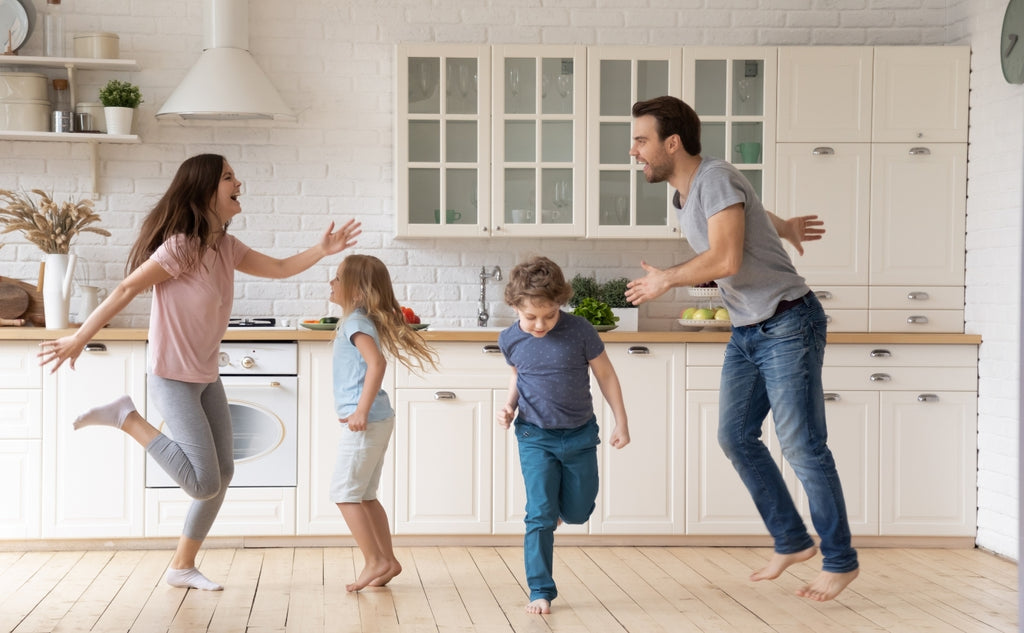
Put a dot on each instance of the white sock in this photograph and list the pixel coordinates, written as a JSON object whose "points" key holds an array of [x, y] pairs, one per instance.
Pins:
{"points": [[190, 578], [112, 414]]}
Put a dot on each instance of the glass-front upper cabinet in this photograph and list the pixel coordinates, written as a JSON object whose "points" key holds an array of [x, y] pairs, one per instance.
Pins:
{"points": [[733, 91], [620, 201], [442, 141], [539, 153]]}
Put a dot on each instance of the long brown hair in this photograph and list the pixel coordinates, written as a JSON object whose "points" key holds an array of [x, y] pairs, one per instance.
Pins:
{"points": [[183, 209], [366, 283]]}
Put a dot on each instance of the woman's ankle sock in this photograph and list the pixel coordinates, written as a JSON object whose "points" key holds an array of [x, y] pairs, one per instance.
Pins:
{"points": [[190, 578], [112, 414]]}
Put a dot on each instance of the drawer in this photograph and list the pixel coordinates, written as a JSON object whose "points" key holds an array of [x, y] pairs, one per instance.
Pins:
{"points": [[923, 379], [19, 366], [846, 297], [703, 378], [462, 365], [916, 321], [705, 354], [21, 414], [847, 320], [916, 298], [882, 356]]}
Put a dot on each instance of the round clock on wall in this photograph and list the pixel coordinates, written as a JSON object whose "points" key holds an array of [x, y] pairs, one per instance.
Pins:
{"points": [[1011, 48]]}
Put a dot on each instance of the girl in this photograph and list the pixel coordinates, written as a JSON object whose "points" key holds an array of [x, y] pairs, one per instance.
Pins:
{"points": [[186, 255], [372, 324]]}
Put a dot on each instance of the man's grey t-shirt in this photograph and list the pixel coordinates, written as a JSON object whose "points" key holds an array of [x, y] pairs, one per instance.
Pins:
{"points": [[767, 275]]}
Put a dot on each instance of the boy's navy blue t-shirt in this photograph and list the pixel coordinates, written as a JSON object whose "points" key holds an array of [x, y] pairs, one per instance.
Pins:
{"points": [[553, 372]]}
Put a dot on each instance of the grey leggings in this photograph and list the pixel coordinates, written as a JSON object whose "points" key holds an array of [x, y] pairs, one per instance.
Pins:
{"points": [[200, 457]]}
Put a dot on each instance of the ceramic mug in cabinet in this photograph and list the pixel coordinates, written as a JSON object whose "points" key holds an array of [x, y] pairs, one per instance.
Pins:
{"points": [[750, 152], [451, 217]]}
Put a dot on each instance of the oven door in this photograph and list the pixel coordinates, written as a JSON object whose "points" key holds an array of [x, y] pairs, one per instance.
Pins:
{"points": [[264, 418]]}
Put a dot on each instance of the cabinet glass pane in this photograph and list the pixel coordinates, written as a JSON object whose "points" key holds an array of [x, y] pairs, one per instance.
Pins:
{"points": [[460, 139], [613, 202], [651, 79], [557, 187], [461, 193], [519, 191], [461, 86], [520, 86], [712, 139], [748, 87], [424, 141], [709, 87], [520, 141], [424, 79], [557, 85], [556, 141], [755, 178], [746, 143], [615, 142], [424, 195], [615, 87], [651, 203]]}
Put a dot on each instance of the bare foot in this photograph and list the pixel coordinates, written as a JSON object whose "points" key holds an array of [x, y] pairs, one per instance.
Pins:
{"points": [[386, 577], [368, 575], [540, 605], [780, 562], [827, 585]]}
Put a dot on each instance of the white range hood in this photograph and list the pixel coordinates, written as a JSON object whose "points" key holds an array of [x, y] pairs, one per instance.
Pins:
{"points": [[226, 83]]}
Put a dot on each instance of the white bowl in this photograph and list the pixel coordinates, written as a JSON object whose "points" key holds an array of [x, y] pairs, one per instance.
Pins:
{"points": [[15, 86], [25, 116]]}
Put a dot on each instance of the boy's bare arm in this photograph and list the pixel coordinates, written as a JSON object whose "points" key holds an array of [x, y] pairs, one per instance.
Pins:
{"points": [[608, 381], [507, 413]]}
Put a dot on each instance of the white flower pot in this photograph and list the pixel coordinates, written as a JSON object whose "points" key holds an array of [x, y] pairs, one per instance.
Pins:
{"points": [[629, 319], [119, 120]]}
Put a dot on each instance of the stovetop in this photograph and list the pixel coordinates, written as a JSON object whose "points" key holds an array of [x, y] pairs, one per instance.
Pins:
{"points": [[261, 323]]}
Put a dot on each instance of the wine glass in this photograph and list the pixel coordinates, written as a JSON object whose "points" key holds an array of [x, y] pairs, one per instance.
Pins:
{"points": [[424, 79], [564, 85], [513, 81], [621, 209]]}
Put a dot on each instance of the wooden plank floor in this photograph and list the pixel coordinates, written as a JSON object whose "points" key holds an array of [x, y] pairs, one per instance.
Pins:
{"points": [[482, 589]]}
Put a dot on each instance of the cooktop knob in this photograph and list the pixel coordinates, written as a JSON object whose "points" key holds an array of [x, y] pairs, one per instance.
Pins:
{"points": [[248, 362], [223, 359]]}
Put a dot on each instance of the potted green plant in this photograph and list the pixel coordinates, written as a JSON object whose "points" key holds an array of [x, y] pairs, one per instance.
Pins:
{"points": [[613, 293], [119, 99]]}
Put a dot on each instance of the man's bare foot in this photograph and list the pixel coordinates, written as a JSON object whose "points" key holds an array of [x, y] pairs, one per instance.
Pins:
{"points": [[540, 605], [827, 585], [386, 577], [368, 575], [780, 562]]}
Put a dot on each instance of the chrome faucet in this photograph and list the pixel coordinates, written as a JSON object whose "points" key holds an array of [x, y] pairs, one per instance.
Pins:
{"points": [[482, 315]]}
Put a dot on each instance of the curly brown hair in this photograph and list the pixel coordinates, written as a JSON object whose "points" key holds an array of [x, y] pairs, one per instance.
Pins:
{"points": [[538, 278]]}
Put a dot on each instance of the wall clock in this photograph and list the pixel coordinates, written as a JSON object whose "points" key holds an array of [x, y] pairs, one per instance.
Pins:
{"points": [[1011, 48]]}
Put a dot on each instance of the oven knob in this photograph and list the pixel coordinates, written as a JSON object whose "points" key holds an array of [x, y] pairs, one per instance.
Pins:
{"points": [[248, 362], [223, 359]]}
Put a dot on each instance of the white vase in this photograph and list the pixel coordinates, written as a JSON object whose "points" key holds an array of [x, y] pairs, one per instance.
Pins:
{"points": [[119, 120], [57, 276], [629, 319]]}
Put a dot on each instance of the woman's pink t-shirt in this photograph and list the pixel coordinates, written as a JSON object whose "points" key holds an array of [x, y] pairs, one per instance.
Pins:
{"points": [[191, 310]]}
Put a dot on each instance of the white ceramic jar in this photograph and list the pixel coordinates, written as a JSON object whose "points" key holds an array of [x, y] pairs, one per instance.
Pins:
{"points": [[25, 115], [18, 86], [97, 45]]}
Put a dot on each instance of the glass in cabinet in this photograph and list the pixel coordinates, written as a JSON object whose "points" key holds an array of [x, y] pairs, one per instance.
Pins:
{"points": [[442, 140], [621, 203], [539, 140]]}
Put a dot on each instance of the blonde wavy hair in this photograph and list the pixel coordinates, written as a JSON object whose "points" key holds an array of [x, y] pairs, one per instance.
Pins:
{"points": [[366, 283]]}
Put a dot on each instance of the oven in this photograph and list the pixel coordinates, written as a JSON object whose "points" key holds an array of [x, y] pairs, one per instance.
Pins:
{"points": [[261, 382]]}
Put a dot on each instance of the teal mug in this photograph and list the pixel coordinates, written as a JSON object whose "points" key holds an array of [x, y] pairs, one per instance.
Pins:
{"points": [[750, 152], [451, 217]]}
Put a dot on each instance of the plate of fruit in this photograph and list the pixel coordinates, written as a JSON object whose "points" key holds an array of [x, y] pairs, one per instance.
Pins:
{"points": [[715, 317], [323, 323], [413, 319]]}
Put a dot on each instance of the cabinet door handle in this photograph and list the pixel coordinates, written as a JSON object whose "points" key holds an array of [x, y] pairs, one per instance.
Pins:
{"points": [[918, 296], [822, 151], [490, 349], [880, 378], [828, 318], [880, 353], [927, 397], [95, 347], [444, 395], [823, 295], [917, 320], [920, 151], [638, 349], [832, 397]]}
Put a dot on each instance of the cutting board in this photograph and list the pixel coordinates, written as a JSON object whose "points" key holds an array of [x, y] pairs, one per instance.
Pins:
{"points": [[33, 311], [13, 300]]}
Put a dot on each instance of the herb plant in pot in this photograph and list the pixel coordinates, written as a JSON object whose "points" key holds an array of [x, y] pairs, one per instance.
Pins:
{"points": [[613, 292], [119, 99]]}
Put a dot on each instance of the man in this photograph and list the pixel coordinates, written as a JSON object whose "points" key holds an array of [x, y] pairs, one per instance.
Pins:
{"points": [[774, 356]]}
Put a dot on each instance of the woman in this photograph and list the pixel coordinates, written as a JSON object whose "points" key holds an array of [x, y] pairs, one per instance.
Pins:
{"points": [[186, 255]]}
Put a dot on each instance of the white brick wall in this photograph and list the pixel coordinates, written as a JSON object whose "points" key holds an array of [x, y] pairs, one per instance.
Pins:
{"points": [[333, 63]]}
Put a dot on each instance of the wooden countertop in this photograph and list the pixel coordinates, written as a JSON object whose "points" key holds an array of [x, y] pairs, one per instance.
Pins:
{"points": [[491, 336]]}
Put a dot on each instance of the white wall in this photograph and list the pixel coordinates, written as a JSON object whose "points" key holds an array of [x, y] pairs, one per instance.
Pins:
{"points": [[334, 61]]}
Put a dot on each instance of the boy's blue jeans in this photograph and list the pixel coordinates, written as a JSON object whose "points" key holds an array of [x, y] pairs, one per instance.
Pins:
{"points": [[776, 365], [560, 472]]}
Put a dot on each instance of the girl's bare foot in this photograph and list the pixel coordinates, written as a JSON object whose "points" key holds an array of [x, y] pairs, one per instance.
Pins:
{"points": [[540, 605], [368, 575], [827, 585], [780, 562], [386, 577]]}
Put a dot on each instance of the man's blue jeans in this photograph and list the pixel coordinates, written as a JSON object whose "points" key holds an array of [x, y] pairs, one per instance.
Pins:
{"points": [[560, 472], [776, 365]]}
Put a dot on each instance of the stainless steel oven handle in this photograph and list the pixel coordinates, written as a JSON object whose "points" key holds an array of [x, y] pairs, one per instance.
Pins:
{"points": [[273, 384]]}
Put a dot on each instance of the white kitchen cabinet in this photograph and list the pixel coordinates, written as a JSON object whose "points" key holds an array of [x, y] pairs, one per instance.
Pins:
{"points": [[921, 94], [539, 141], [443, 141], [93, 479], [21, 429], [245, 512], [824, 94]]}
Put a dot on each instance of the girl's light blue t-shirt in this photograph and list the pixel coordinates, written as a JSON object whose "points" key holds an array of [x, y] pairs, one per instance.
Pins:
{"points": [[350, 370]]}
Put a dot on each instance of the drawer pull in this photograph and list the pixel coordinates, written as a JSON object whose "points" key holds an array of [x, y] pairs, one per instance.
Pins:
{"points": [[927, 397], [490, 349], [920, 151], [881, 353], [638, 349], [828, 318], [823, 295], [832, 397], [444, 395], [880, 378], [822, 151], [918, 296], [95, 347], [917, 320]]}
